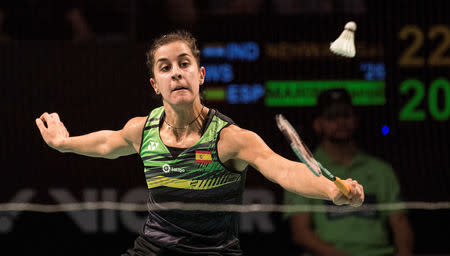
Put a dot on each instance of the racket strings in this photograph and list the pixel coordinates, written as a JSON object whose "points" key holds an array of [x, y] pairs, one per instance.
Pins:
{"points": [[297, 145]]}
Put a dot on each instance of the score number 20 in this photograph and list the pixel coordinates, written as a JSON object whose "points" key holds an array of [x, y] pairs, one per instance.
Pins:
{"points": [[412, 111]]}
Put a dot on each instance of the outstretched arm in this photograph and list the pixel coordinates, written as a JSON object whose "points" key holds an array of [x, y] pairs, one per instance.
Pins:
{"points": [[106, 143], [240, 147]]}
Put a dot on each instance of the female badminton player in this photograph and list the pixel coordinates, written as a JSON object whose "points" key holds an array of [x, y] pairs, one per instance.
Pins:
{"points": [[192, 154]]}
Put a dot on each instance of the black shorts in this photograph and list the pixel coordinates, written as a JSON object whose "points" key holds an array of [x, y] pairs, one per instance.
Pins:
{"points": [[143, 247]]}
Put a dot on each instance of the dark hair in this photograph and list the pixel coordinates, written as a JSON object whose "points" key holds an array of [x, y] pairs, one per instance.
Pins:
{"points": [[334, 102], [180, 35]]}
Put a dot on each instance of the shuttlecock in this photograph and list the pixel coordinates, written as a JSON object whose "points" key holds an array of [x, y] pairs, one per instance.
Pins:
{"points": [[345, 44]]}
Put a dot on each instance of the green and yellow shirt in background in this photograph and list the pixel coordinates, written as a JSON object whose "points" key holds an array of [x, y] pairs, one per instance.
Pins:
{"points": [[357, 232]]}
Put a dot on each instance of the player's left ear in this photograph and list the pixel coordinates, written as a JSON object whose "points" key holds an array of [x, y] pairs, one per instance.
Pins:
{"points": [[202, 75], [153, 84]]}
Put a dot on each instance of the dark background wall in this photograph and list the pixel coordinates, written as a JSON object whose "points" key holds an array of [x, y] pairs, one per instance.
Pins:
{"points": [[101, 83]]}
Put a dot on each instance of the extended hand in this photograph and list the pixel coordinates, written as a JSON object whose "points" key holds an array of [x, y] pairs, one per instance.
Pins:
{"points": [[355, 196], [55, 133]]}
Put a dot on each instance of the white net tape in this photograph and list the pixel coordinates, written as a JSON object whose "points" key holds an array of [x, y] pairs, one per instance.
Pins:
{"points": [[120, 206]]}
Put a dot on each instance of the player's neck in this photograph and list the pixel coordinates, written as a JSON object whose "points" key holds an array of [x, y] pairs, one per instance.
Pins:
{"points": [[342, 153], [182, 117], [182, 121]]}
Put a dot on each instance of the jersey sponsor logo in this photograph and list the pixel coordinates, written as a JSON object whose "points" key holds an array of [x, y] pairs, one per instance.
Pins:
{"points": [[167, 168], [153, 145], [203, 156]]}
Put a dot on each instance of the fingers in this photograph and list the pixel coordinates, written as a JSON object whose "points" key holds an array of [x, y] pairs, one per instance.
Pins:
{"points": [[356, 195], [49, 119], [40, 125], [55, 116], [60, 124], [50, 123], [45, 117]]}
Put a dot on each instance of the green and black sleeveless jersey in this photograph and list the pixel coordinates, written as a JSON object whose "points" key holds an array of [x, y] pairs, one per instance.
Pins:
{"points": [[196, 175]]}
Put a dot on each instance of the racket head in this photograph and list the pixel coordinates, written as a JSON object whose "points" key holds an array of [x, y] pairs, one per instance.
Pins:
{"points": [[297, 145]]}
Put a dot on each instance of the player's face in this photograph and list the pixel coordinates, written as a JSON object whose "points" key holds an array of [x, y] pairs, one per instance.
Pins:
{"points": [[337, 129], [177, 75]]}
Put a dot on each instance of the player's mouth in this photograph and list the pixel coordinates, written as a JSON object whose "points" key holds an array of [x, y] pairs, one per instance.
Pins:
{"points": [[178, 88]]}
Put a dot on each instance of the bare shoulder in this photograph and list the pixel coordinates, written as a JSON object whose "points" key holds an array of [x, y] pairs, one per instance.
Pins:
{"points": [[234, 139], [132, 131], [136, 122], [234, 134], [230, 143], [239, 147]]}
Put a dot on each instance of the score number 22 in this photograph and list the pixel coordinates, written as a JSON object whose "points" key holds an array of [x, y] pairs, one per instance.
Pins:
{"points": [[409, 57]]}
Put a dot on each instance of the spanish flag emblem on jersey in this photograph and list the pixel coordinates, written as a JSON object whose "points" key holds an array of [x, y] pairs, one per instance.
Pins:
{"points": [[203, 156]]}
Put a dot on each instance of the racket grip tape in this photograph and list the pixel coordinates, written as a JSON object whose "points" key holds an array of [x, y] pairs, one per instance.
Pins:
{"points": [[343, 187]]}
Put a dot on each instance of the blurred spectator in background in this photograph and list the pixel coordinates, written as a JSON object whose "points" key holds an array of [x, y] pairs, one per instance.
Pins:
{"points": [[350, 6], [182, 13], [44, 20], [3, 36], [233, 7], [81, 30], [291, 7], [350, 233], [111, 20], [155, 17]]}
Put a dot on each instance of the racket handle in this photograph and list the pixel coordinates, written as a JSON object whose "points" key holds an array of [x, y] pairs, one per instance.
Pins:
{"points": [[343, 187]]}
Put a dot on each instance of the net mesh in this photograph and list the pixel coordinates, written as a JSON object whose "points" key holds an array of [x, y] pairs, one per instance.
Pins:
{"points": [[243, 208]]}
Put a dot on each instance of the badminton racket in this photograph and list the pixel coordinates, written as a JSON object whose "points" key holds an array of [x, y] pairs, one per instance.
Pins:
{"points": [[305, 156]]}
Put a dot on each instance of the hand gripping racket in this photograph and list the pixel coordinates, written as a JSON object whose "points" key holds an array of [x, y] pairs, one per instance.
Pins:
{"points": [[305, 155]]}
